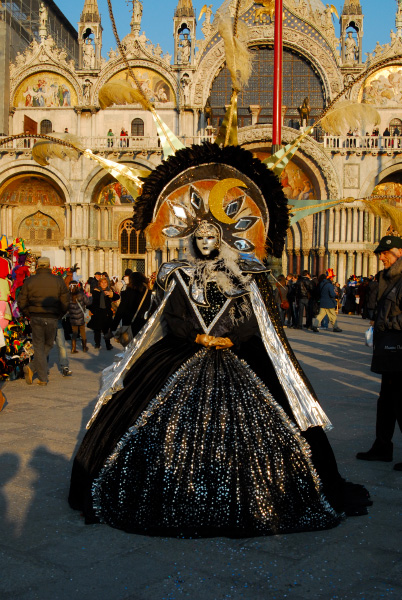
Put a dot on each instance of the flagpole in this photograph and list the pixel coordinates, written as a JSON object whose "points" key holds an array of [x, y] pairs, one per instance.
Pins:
{"points": [[277, 104]]}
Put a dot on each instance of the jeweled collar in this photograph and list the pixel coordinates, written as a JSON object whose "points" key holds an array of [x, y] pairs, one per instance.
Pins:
{"points": [[220, 274]]}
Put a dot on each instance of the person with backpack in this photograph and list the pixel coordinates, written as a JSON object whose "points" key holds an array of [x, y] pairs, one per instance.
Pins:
{"points": [[327, 302]]}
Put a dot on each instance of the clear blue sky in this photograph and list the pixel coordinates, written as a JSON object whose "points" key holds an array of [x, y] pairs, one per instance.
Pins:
{"points": [[157, 20]]}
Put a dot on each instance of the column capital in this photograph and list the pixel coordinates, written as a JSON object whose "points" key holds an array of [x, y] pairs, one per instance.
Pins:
{"points": [[305, 252]]}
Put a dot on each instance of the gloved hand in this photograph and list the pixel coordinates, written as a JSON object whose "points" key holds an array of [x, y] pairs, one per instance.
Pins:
{"points": [[204, 339], [222, 343]]}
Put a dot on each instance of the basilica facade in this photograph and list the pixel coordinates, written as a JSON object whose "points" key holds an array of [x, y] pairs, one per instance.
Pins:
{"points": [[73, 212]]}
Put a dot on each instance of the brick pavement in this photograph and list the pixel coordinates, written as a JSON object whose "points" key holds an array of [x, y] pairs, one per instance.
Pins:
{"points": [[47, 553]]}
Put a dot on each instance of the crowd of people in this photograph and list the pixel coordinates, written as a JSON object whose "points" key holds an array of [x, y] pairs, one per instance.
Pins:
{"points": [[59, 307], [307, 302]]}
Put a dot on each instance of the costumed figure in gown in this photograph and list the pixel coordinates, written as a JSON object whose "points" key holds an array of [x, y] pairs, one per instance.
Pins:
{"points": [[208, 425]]}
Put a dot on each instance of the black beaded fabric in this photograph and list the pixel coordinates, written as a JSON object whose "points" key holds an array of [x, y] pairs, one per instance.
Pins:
{"points": [[212, 454]]}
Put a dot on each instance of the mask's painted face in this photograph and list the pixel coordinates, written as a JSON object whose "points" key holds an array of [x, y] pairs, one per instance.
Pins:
{"points": [[207, 243], [207, 238]]}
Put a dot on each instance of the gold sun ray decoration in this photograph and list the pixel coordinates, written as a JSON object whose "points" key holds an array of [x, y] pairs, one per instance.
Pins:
{"points": [[239, 64]]}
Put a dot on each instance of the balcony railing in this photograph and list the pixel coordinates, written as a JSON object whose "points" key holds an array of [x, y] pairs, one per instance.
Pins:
{"points": [[363, 144], [115, 144]]}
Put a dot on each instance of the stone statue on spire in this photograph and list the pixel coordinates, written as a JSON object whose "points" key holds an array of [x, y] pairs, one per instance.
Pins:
{"points": [[137, 16], [398, 19], [43, 16]]}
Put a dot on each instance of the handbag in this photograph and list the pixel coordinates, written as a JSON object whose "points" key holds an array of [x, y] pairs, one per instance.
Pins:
{"points": [[124, 335], [284, 303], [86, 313]]}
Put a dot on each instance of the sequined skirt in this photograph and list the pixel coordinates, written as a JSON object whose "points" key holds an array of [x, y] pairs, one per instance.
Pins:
{"points": [[212, 454]]}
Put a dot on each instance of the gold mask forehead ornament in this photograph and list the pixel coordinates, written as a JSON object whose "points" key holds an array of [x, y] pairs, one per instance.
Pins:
{"points": [[206, 229]]}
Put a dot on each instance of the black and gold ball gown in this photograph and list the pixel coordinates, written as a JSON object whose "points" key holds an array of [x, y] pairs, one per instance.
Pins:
{"points": [[191, 441]]}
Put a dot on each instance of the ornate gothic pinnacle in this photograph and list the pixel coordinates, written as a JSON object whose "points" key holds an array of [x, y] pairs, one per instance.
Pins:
{"points": [[90, 12]]}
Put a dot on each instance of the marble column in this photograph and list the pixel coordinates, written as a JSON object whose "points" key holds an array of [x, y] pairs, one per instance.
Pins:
{"points": [[80, 221], [377, 229], [84, 263], [116, 268], [373, 266], [350, 264], [341, 275], [73, 221], [67, 257], [91, 262], [78, 258], [85, 222], [98, 213], [78, 122], [343, 225], [101, 259], [355, 224], [366, 226], [361, 224], [307, 261], [313, 263], [331, 220], [92, 222], [105, 223], [255, 111], [372, 228], [109, 224], [73, 255], [365, 264], [348, 236], [359, 263], [297, 268], [321, 255], [337, 232], [196, 118], [68, 221], [10, 222], [106, 261]]}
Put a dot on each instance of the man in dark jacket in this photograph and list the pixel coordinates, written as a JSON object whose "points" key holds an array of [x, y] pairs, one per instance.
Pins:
{"points": [[43, 298], [387, 350], [304, 287], [327, 299]]}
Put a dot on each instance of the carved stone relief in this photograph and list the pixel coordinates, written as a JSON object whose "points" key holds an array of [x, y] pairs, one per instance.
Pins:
{"points": [[351, 176]]}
